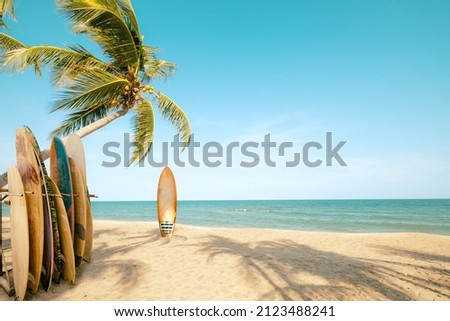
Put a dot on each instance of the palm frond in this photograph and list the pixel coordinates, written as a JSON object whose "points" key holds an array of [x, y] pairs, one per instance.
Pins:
{"points": [[158, 69], [9, 43], [103, 21], [175, 115], [126, 8], [6, 7], [79, 119], [147, 54], [66, 70], [91, 88], [144, 127], [149, 51], [63, 62]]}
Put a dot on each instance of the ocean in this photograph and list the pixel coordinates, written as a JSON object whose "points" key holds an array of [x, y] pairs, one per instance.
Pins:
{"points": [[426, 216]]}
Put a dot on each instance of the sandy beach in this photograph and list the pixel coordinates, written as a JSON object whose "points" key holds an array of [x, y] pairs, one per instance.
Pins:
{"points": [[132, 262]]}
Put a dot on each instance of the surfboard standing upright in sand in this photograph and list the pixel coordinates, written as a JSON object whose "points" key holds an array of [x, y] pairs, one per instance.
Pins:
{"points": [[52, 261], [28, 168], [48, 258], [68, 265], [79, 190], [167, 203], [60, 173], [75, 150], [19, 232]]}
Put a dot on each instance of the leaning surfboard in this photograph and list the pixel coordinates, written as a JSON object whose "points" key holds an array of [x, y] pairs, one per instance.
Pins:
{"points": [[48, 258], [68, 264], [60, 173], [49, 250], [75, 151], [52, 246], [28, 168], [79, 193], [19, 232], [167, 203]]}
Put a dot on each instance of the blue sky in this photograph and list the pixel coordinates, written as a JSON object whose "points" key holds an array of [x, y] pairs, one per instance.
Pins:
{"points": [[374, 73]]}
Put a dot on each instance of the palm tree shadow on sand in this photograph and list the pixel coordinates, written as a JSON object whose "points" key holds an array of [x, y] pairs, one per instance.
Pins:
{"points": [[279, 262], [128, 270]]}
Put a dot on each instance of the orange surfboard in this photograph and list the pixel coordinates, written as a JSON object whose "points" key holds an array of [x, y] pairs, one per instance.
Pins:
{"points": [[167, 203]]}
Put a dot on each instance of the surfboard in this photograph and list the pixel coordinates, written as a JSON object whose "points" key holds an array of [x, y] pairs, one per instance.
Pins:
{"points": [[79, 191], [19, 232], [52, 251], [87, 255], [68, 264], [48, 258], [167, 202], [60, 173], [75, 150], [28, 168]]}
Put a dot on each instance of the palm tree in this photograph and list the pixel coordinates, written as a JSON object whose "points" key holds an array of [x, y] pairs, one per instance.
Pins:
{"points": [[97, 91]]}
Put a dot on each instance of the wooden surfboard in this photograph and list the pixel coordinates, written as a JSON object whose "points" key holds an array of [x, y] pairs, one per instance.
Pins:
{"points": [[87, 255], [167, 203], [19, 232], [68, 264], [52, 237], [48, 258], [60, 173], [28, 168], [75, 150], [79, 191], [57, 256]]}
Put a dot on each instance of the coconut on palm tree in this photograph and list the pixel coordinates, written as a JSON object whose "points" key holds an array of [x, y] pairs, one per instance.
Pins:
{"points": [[95, 91]]}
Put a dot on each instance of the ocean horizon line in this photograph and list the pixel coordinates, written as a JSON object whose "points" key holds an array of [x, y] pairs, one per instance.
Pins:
{"points": [[338, 215], [286, 199]]}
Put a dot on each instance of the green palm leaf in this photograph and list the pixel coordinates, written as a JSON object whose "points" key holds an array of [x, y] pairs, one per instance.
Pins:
{"points": [[65, 63], [158, 69], [6, 7], [79, 119], [128, 14], [175, 115], [9, 43], [144, 126], [105, 23], [147, 54], [92, 88]]}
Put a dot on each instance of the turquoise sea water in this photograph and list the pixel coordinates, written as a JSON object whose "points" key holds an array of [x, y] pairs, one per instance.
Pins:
{"points": [[428, 216]]}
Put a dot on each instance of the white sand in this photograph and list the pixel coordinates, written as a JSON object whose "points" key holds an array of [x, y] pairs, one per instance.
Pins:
{"points": [[132, 262]]}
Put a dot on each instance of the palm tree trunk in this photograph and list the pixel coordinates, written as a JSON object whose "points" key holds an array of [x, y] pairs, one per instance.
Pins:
{"points": [[89, 129], [83, 132]]}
